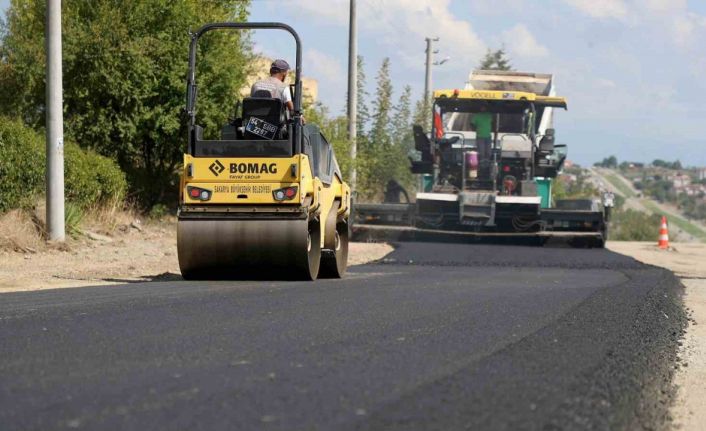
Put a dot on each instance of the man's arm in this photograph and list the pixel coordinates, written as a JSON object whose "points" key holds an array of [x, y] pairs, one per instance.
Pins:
{"points": [[287, 99]]}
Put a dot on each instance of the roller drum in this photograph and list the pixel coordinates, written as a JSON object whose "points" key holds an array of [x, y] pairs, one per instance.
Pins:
{"points": [[249, 248], [334, 258]]}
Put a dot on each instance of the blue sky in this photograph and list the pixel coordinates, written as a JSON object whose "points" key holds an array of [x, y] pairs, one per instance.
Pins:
{"points": [[634, 71]]}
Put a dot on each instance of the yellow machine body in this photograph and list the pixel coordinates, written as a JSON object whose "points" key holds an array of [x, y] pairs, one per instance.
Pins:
{"points": [[242, 212], [241, 183]]}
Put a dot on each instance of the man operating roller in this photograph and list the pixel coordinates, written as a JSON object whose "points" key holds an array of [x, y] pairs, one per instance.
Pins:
{"points": [[275, 85]]}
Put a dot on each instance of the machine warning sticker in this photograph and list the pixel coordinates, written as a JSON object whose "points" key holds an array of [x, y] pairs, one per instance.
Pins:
{"points": [[261, 128]]}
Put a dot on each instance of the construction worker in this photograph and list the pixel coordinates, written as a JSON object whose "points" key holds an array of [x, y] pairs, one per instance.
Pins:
{"points": [[275, 85], [483, 123], [393, 190]]}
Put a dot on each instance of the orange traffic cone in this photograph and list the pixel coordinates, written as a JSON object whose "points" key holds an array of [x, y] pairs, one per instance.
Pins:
{"points": [[663, 242]]}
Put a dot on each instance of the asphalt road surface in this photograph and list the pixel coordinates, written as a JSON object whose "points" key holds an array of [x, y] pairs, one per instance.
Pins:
{"points": [[436, 337]]}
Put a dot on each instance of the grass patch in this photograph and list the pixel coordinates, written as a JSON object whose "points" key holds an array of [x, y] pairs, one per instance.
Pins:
{"points": [[24, 230], [73, 216], [108, 217], [620, 185], [20, 232], [681, 223]]}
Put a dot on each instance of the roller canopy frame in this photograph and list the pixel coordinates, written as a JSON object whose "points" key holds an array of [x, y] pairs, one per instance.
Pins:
{"points": [[191, 87]]}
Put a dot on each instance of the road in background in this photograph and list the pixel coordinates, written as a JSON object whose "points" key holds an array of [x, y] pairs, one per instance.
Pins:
{"points": [[437, 336], [681, 228]]}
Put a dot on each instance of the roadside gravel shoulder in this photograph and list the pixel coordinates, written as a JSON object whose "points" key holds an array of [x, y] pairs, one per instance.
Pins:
{"points": [[134, 256], [687, 262]]}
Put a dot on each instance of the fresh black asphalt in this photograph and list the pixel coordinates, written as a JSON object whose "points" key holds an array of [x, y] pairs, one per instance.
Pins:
{"points": [[435, 337]]}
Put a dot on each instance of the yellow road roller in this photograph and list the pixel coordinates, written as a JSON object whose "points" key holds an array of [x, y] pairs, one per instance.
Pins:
{"points": [[267, 199]]}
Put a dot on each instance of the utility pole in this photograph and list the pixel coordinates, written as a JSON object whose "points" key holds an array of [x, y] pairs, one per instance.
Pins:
{"points": [[353, 91], [54, 124], [427, 77]]}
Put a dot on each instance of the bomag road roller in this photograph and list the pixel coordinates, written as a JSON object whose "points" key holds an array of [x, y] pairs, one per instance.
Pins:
{"points": [[267, 199]]}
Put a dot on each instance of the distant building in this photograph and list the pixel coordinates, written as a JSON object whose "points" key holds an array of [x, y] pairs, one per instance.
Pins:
{"points": [[680, 181], [567, 179], [260, 69], [694, 190], [701, 174], [310, 88]]}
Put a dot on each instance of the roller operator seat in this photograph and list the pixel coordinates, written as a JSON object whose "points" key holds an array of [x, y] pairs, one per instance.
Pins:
{"points": [[266, 108]]}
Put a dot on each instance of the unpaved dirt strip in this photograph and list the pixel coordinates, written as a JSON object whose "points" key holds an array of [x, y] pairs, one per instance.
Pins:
{"points": [[149, 255], [690, 409]]}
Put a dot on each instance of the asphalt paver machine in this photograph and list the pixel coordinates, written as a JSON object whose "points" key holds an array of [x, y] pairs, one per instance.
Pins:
{"points": [[505, 192], [267, 199]]}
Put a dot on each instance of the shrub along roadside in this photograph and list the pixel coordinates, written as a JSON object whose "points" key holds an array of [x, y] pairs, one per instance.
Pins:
{"points": [[22, 163], [631, 225], [90, 179]]}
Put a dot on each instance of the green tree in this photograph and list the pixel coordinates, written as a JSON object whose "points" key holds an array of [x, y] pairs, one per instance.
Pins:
{"points": [[382, 107], [362, 112], [335, 130], [402, 116], [402, 138], [608, 162], [381, 157], [580, 188], [124, 77], [676, 165], [495, 60], [422, 115], [373, 149]]}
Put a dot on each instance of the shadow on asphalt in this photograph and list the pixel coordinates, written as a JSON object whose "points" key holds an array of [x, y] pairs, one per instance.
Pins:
{"points": [[267, 274], [165, 276]]}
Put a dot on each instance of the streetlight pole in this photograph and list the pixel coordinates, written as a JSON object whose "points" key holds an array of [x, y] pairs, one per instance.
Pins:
{"points": [[54, 124], [353, 91]]}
